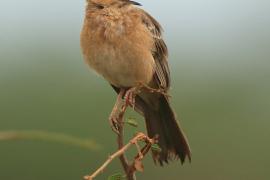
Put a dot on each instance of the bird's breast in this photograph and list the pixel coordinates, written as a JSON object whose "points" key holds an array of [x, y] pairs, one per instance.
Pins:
{"points": [[124, 59]]}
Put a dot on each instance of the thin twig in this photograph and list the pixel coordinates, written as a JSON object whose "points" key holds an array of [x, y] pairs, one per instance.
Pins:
{"points": [[48, 136], [122, 107], [139, 150], [138, 137], [118, 111], [142, 152], [120, 140]]}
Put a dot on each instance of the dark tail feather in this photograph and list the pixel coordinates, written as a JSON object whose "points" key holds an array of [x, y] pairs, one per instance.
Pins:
{"points": [[161, 121]]}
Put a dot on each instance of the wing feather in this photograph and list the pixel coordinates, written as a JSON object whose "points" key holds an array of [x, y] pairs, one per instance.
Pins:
{"points": [[159, 51]]}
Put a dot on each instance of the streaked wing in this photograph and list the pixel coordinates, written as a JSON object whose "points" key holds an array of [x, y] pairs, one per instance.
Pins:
{"points": [[160, 51]]}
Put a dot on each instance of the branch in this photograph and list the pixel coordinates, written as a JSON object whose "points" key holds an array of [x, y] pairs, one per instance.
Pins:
{"points": [[133, 141], [120, 136], [49, 136], [117, 122], [137, 163]]}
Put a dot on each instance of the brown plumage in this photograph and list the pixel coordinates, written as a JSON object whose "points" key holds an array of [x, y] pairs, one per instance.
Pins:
{"points": [[124, 44]]}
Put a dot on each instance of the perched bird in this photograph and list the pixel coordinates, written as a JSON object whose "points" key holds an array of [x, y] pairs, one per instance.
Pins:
{"points": [[124, 44]]}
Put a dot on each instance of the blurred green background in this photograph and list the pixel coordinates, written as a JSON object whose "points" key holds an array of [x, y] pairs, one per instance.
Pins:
{"points": [[220, 64]]}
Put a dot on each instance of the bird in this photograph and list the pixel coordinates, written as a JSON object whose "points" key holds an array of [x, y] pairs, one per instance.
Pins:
{"points": [[124, 44]]}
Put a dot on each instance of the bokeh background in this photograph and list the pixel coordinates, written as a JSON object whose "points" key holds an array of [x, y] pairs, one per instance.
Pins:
{"points": [[220, 64]]}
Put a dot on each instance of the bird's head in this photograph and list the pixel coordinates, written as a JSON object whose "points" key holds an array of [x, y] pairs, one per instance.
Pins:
{"points": [[105, 4], [111, 18]]}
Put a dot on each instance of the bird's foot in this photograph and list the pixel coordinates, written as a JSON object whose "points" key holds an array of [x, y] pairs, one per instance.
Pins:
{"points": [[130, 96], [114, 123], [117, 112], [149, 89]]}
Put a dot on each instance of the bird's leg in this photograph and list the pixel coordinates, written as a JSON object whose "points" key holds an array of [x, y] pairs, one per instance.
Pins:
{"points": [[130, 96], [116, 112], [153, 90], [129, 100], [132, 92]]}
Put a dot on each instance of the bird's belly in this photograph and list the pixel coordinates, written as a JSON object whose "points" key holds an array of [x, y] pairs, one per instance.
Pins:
{"points": [[120, 68]]}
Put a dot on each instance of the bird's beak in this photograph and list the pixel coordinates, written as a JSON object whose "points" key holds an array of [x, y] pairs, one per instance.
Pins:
{"points": [[135, 3]]}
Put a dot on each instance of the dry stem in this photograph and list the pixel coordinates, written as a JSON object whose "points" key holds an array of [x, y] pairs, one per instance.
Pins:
{"points": [[39, 135], [134, 140]]}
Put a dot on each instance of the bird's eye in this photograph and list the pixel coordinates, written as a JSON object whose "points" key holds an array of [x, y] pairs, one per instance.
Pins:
{"points": [[100, 6]]}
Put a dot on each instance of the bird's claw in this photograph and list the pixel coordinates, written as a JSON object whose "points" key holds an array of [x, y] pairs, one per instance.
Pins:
{"points": [[115, 125], [130, 97]]}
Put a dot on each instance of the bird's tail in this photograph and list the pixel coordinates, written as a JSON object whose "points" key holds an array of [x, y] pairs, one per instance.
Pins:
{"points": [[160, 120]]}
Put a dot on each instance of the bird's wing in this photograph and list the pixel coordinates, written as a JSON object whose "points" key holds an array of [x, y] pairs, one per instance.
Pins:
{"points": [[159, 51]]}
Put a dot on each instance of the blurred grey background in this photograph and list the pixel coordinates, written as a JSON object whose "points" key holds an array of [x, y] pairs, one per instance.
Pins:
{"points": [[220, 64]]}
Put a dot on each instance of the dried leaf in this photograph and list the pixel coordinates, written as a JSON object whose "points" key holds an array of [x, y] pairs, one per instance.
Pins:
{"points": [[138, 165], [117, 176]]}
